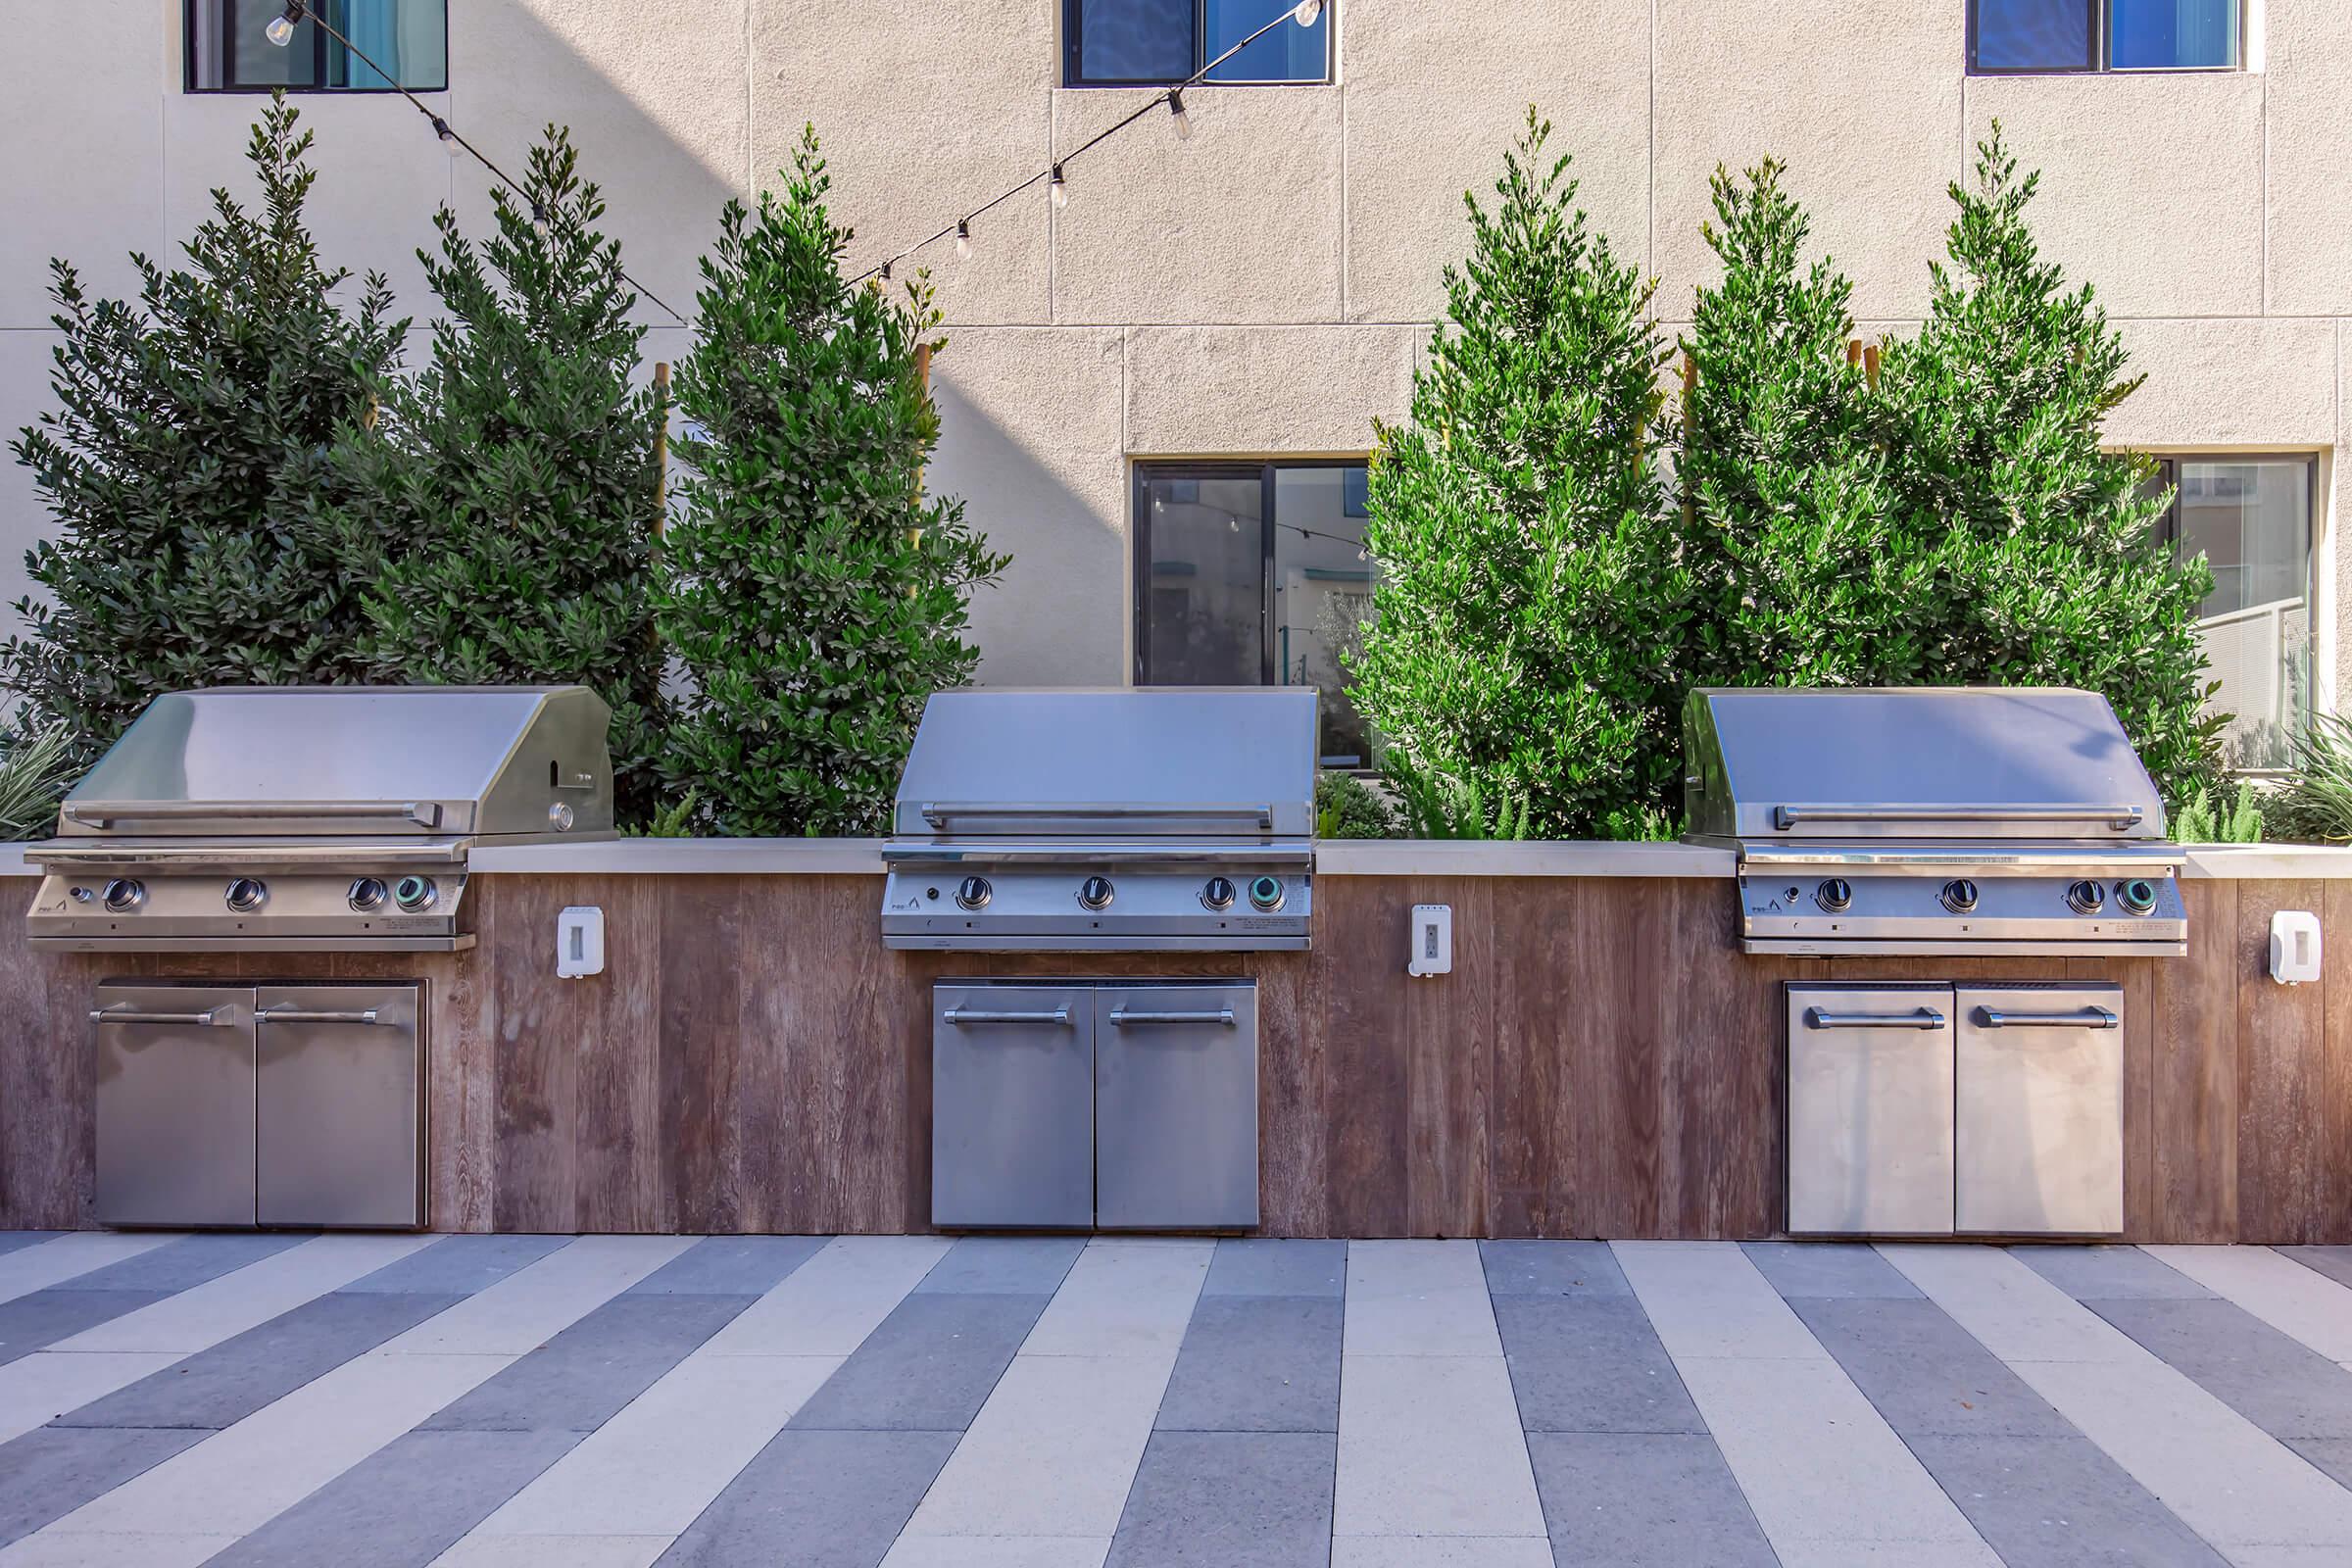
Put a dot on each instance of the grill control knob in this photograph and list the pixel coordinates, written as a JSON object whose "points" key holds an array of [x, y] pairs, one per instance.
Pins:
{"points": [[124, 894], [1836, 895], [415, 893], [1265, 893], [367, 893], [1960, 895], [1096, 893], [972, 892], [2086, 898], [2136, 897], [1218, 893], [246, 894]]}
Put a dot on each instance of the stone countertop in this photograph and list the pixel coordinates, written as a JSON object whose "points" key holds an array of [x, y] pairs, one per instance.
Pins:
{"points": [[1333, 858]]}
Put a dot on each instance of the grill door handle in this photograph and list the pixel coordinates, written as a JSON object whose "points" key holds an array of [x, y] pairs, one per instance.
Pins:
{"points": [[212, 1017], [1919, 1018], [2118, 818], [317, 1015], [1056, 1015], [1120, 1017], [2081, 1018]]}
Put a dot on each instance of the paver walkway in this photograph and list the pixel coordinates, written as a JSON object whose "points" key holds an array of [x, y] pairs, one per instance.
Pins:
{"points": [[611, 1401]]}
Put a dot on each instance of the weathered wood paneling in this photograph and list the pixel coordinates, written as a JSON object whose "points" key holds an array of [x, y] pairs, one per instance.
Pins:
{"points": [[1602, 1062]]}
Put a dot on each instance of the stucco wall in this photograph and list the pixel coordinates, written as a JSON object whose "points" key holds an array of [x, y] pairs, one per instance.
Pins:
{"points": [[1260, 288]]}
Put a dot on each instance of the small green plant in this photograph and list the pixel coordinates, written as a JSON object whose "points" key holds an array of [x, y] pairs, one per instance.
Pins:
{"points": [[2208, 818], [1348, 808], [674, 820], [2316, 800], [36, 771], [1443, 805], [1639, 824]]}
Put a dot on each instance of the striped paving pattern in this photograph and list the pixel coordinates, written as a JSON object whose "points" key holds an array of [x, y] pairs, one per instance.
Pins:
{"points": [[613, 1401]]}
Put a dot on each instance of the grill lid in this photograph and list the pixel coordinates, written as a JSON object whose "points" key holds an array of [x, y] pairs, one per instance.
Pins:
{"points": [[1133, 763], [1924, 764], [349, 762]]}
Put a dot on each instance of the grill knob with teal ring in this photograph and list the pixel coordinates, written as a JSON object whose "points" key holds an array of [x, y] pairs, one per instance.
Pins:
{"points": [[2136, 895], [1265, 893], [2086, 898], [415, 893]]}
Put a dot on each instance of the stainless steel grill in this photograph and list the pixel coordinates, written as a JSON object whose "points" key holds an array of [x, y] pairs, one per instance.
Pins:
{"points": [[1934, 820], [1112, 820], [314, 818]]}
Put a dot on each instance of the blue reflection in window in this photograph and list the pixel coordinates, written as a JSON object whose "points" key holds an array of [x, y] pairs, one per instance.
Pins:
{"points": [[2171, 34], [1135, 40], [1287, 54], [2033, 35]]}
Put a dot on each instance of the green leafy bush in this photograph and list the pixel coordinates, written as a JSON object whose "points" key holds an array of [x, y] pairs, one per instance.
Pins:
{"points": [[814, 596], [2210, 817], [506, 504], [36, 769], [2315, 801], [1438, 804], [189, 467], [1529, 608], [1348, 808]]}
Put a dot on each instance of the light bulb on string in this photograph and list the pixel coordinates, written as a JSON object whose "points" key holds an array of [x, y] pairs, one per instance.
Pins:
{"points": [[280, 30], [885, 271], [449, 138], [539, 219], [1176, 112], [1061, 190], [1306, 13], [963, 239]]}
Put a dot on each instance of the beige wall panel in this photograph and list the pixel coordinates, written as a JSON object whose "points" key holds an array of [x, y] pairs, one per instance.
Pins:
{"points": [[24, 395], [1252, 391], [2338, 471], [1435, 93], [1240, 223], [382, 177], [84, 177], [2307, 86], [1029, 438], [1862, 102], [2151, 185], [2215, 384], [925, 111], [654, 97]]}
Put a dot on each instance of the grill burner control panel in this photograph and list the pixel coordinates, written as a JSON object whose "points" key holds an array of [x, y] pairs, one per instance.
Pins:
{"points": [[103, 909], [1796, 910], [1136, 907]]}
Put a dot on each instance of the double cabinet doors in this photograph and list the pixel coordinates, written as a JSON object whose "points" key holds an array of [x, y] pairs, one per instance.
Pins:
{"points": [[259, 1104], [1094, 1105], [1937, 1109]]}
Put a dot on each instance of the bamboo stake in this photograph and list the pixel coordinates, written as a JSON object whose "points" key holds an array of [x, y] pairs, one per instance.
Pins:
{"points": [[1689, 385], [661, 447]]}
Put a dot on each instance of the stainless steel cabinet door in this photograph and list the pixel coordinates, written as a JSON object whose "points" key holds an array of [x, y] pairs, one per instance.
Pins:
{"points": [[1870, 1110], [1176, 1106], [340, 1131], [2041, 1111], [175, 1105], [1012, 1107]]}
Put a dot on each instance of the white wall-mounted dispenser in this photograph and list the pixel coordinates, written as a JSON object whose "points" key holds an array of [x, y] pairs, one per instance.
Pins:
{"points": [[2294, 947], [1433, 940], [579, 941]]}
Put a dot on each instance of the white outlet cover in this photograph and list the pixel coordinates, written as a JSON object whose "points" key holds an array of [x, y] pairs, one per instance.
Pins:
{"points": [[579, 941], [2294, 947], [1433, 941]]}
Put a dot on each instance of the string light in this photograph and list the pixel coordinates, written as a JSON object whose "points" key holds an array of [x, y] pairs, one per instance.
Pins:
{"points": [[451, 140], [963, 240], [1306, 14]]}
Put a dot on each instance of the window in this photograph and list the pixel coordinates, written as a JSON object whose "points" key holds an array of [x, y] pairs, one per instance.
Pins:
{"points": [[2011, 36], [2250, 518], [1255, 574], [230, 52], [1115, 44]]}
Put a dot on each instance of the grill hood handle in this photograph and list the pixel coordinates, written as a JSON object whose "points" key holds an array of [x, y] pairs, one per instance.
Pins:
{"points": [[2122, 818], [92, 814], [940, 813]]}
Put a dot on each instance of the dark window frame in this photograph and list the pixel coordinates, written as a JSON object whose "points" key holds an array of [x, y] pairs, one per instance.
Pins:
{"points": [[2100, 11], [1073, 67], [2169, 464], [227, 11]]}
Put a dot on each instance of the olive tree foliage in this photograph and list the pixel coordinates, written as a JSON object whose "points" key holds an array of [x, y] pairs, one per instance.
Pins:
{"points": [[187, 464], [813, 594], [1529, 612]]}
